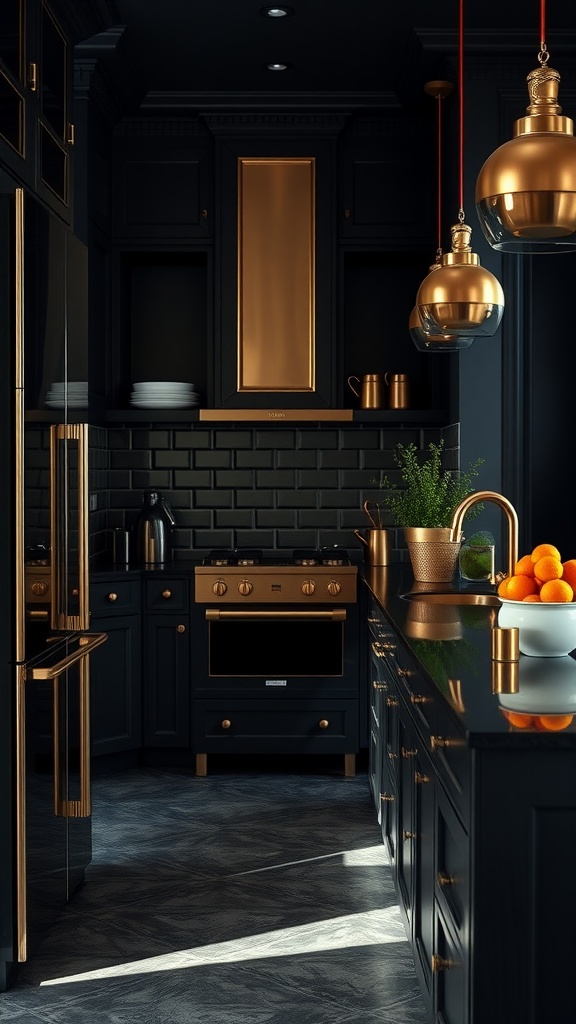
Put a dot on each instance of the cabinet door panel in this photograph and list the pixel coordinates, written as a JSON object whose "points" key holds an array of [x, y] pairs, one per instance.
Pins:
{"points": [[115, 675], [167, 681]]}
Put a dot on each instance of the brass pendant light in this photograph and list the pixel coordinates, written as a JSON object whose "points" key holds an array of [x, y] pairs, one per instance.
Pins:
{"points": [[461, 298], [436, 342], [526, 190]]}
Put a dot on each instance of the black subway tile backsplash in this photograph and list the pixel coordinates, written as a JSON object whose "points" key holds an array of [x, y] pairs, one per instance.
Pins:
{"points": [[263, 486]]}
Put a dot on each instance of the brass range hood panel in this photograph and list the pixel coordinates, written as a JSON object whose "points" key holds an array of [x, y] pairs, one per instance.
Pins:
{"points": [[276, 274]]}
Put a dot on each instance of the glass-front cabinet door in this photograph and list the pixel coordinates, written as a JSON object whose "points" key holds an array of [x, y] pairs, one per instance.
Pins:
{"points": [[12, 74], [54, 86]]}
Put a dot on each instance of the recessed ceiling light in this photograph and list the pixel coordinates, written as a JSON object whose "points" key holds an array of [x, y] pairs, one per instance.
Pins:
{"points": [[277, 67], [276, 12]]}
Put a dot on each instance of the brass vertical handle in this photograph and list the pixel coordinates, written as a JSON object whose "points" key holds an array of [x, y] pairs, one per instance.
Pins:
{"points": [[66, 434], [441, 963], [33, 76]]}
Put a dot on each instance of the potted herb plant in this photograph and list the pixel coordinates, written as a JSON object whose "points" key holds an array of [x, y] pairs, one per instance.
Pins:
{"points": [[424, 503]]}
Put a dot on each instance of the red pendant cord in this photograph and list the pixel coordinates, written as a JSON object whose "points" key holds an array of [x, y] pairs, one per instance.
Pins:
{"points": [[461, 109], [542, 24], [439, 101]]}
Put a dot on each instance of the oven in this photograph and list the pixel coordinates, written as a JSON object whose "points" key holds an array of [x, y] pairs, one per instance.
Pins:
{"points": [[276, 644]]}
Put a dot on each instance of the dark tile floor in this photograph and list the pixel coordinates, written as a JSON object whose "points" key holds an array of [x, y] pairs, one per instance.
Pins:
{"points": [[260, 894]]}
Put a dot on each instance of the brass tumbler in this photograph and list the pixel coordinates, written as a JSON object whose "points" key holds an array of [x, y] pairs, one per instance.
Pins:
{"points": [[372, 390], [377, 546], [398, 390]]}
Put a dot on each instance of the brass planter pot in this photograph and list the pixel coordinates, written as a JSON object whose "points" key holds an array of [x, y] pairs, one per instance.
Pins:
{"points": [[433, 555]]}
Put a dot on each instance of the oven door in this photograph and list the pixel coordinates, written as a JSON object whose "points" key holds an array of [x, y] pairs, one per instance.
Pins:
{"points": [[263, 649]]}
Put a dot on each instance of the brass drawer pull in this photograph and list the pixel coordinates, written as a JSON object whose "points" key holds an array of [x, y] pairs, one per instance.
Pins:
{"points": [[112, 597], [387, 798], [403, 672], [323, 723], [417, 699], [445, 879], [441, 963], [440, 741], [181, 628], [391, 755], [408, 753], [379, 686], [226, 723], [166, 594], [418, 777], [391, 702], [409, 835]]}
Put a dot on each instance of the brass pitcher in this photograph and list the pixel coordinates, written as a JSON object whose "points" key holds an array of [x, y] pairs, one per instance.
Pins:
{"points": [[377, 544], [398, 390], [372, 390]]}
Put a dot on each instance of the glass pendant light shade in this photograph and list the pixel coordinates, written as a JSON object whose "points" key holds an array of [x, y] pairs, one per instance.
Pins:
{"points": [[460, 298], [434, 342], [526, 190]]}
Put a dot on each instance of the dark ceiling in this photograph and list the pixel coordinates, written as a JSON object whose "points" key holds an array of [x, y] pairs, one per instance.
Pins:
{"points": [[331, 46]]}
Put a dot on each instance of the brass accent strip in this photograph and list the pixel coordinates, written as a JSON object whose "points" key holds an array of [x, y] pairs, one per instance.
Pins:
{"points": [[349, 765], [20, 815], [276, 415], [218, 614], [276, 274], [69, 432], [202, 764], [86, 645]]}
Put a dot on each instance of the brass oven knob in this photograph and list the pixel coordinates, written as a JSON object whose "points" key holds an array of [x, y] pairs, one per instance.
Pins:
{"points": [[39, 588], [245, 587], [226, 723], [334, 588], [112, 597], [308, 587], [166, 594], [219, 588], [323, 723]]}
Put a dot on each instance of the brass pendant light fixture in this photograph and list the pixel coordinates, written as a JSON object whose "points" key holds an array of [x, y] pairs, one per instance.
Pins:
{"points": [[526, 190], [436, 342], [460, 298]]}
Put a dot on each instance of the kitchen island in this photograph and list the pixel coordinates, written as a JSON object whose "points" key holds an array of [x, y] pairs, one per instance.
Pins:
{"points": [[478, 815]]}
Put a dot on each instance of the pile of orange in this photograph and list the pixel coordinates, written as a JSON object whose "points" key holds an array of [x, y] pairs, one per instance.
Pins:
{"points": [[544, 723], [541, 576]]}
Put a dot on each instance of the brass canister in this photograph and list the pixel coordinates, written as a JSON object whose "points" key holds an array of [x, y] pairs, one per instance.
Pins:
{"points": [[398, 390]]}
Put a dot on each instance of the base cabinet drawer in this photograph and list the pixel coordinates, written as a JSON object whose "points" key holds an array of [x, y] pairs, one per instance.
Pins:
{"points": [[277, 726]]}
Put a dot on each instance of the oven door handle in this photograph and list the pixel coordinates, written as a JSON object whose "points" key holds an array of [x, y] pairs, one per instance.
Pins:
{"points": [[329, 615]]}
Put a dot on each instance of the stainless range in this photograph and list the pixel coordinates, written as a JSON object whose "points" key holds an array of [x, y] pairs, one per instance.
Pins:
{"points": [[277, 666]]}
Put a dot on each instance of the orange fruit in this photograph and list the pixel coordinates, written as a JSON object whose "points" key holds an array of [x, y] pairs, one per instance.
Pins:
{"points": [[520, 721], [548, 568], [519, 587], [555, 722], [503, 587], [569, 572], [532, 598], [524, 566], [545, 549], [556, 590]]}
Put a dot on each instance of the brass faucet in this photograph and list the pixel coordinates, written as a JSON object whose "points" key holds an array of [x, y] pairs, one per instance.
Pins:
{"points": [[509, 512]]}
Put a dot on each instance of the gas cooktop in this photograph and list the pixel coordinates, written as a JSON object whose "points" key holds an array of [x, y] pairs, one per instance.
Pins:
{"points": [[253, 558]]}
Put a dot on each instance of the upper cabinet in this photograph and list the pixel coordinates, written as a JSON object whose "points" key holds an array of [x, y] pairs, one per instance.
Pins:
{"points": [[36, 132]]}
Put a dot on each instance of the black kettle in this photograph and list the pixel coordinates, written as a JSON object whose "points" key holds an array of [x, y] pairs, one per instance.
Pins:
{"points": [[154, 530]]}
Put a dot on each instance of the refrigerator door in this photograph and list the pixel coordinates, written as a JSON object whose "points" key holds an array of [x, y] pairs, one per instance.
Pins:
{"points": [[53, 771]]}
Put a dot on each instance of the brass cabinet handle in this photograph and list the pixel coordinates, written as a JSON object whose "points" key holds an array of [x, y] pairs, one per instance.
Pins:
{"points": [[323, 723], [71, 134], [181, 628], [379, 686], [441, 963], [391, 702], [445, 879], [403, 672], [392, 756], [417, 699], [226, 723], [166, 594], [408, 835], [408, 753], [418, 777], [32, 76], [112, 597], [387, 798], [440, 741]]}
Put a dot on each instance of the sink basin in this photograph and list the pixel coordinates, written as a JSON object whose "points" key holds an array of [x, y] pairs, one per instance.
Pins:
{"points": [[451, 597]]}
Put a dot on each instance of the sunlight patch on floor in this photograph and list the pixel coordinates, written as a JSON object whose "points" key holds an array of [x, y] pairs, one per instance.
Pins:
{"points": [[373, 927], [367, 856]]}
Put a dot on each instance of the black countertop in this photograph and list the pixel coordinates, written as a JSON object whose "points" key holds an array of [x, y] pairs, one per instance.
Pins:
{"points": [[452, 646]]}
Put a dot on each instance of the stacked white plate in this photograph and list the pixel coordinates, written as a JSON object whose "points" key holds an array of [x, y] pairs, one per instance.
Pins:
{"points": [[73, 393], [163, 394]]}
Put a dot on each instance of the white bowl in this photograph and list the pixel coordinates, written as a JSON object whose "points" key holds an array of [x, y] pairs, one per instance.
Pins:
{"points": [[545, 687], [546, 629]]}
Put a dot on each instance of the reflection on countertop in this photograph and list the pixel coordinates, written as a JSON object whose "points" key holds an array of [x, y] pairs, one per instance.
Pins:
{"points": [[452, 645]]}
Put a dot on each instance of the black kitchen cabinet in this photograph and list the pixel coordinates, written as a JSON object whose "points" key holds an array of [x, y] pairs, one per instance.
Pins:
{"points": [[116, 675], [166, 651], [36, 133]]}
